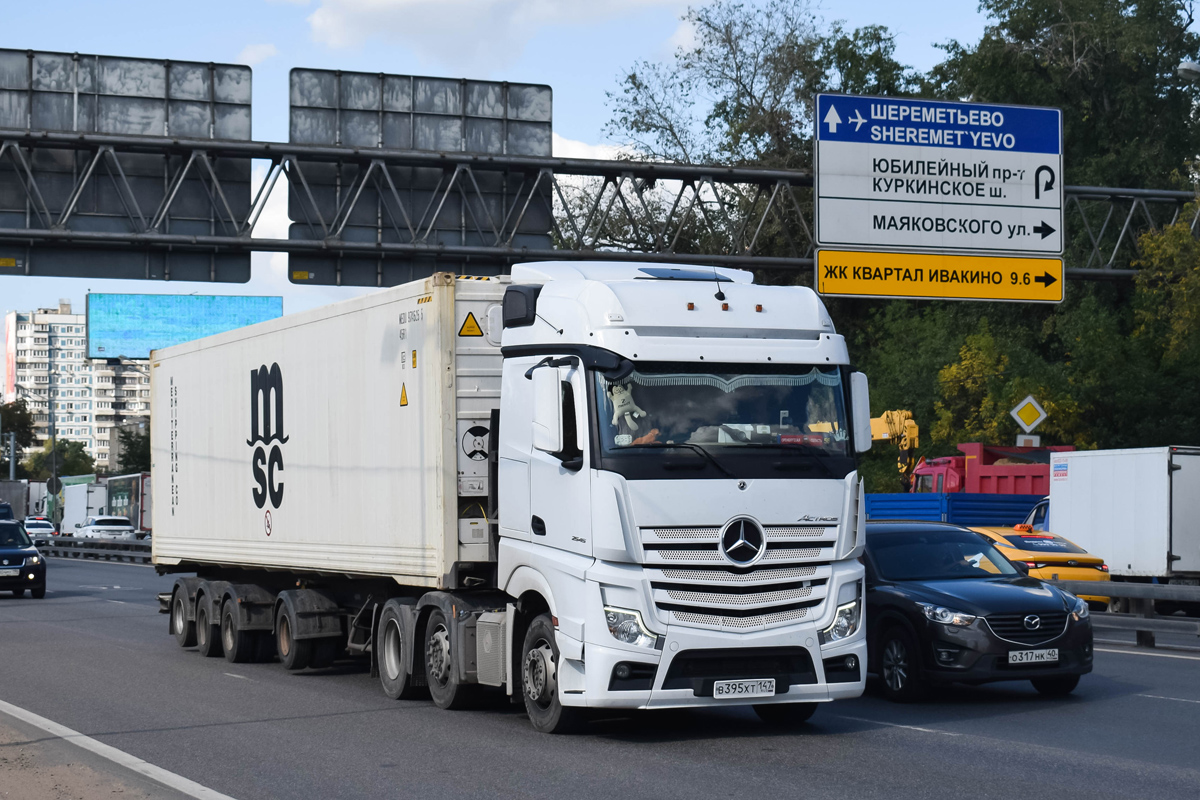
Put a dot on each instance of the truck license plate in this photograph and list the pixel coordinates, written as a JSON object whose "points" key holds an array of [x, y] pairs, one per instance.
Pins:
{"points": [[1033, 656], [9, 573], [760, 687]]}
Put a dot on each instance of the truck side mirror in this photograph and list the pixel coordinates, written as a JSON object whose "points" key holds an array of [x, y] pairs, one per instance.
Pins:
{"points": [[860, 399], [547, 410], [78, 525]]}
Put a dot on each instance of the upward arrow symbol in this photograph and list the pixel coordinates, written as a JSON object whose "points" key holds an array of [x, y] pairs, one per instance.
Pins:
{"points": [[832, 119]]}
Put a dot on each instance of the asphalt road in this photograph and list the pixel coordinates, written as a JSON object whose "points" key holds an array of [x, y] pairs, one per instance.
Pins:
{"points": [[95, 656]]}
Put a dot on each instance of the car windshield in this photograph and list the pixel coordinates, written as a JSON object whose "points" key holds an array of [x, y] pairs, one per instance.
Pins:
{"points": [[785, 407], [110, 522], [13, 536], [1042, 543], [934, 555]]}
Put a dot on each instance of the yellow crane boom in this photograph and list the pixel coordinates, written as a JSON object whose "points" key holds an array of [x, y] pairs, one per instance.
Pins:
{"points": [[901, 429]]}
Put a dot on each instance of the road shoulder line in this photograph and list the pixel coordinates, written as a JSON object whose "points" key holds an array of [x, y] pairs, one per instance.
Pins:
{"points": [[120, 757], [1132, 652]]}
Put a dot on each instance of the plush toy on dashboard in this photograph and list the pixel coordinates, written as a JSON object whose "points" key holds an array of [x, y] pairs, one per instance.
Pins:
{"points": [[624, 406]]}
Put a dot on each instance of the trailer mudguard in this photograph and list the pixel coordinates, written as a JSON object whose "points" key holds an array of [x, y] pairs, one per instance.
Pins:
{"points": [[255, 605], [316, 615]]}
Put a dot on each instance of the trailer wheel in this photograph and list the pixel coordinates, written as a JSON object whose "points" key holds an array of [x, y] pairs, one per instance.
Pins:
{"points": [[440, 669], [293, 653], [539, 681], [182, 628], [394, 654], [208, 636], [325, 651], [239, 645]]}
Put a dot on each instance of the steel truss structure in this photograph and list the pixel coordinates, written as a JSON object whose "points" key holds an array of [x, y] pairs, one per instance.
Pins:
{"points": [[605, 210]]}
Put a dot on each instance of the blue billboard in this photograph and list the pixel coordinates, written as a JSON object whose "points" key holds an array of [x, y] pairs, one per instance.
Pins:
{"points": [[131, 325]]}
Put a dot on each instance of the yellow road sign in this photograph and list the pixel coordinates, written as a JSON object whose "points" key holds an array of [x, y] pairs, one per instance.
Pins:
{"points": [[1029, 414], [926, 276]]}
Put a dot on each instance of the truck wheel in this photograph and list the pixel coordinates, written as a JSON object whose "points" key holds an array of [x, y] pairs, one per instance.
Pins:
{"points": [[898, 666], [539, 681], [440, 669], [183, 629], [239, 645], [208, 636], [394, 654], [293, 653], [1056, 687], [784, 715]]}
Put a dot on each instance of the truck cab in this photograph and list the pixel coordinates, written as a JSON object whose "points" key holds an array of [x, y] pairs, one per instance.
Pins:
{"points": [[677, 482]]}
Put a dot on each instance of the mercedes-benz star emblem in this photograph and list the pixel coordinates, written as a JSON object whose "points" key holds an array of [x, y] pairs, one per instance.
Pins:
{"points": [[743, 541], [1033, 622]]}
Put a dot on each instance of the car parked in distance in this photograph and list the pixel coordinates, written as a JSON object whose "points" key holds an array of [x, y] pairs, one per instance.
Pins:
{"points": [[22, 567], [106, 528], [39, 526], [1050, 557], [944, 605]]}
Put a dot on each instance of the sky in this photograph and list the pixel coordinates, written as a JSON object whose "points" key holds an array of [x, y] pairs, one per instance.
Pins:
{"points": [[579, 48]]}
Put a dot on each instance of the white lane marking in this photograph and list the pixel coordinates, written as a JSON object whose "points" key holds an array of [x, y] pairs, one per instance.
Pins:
{"points": [[120, 757], [243, 677], [897, 725], [118, 602], [1176, 699], [1143, 653]]}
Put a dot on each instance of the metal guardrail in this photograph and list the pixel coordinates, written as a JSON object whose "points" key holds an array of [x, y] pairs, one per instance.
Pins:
{"points": [[134, 550], [1141, 597]]}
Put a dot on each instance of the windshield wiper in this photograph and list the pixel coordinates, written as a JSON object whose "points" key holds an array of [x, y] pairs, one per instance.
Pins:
{"points": [[711, 458]]}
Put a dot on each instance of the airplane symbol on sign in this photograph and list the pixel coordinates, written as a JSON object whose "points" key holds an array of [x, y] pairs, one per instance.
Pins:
{"points": [[833, 119]]}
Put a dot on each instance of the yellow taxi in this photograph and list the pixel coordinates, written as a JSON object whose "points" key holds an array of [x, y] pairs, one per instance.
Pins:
{"points": [[1050, 557]]}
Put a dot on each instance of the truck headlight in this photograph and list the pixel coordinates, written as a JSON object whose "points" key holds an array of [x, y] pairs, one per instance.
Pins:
{"points": [[848, 614], [946, 616], [626, 626]]}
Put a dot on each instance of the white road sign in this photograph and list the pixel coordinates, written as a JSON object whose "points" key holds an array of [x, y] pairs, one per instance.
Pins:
{"points": [[950, 177]]}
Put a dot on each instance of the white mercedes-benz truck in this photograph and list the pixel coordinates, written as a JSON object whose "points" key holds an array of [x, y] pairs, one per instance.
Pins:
{"points": [[588, 485]]}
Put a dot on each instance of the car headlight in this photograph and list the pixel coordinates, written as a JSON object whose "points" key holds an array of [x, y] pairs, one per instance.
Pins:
{"points": [[34, 560], [946, 616], [1081, 610], [626, 626]]}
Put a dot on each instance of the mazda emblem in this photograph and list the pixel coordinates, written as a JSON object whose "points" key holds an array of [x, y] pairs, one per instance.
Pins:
{"points": [[1033, 622], [743, 541]]}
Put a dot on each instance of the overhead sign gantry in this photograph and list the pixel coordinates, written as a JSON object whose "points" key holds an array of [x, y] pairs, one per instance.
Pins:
{"points": [[938, 200]]}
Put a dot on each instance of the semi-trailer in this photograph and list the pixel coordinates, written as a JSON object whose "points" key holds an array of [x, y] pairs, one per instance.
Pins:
{"points": [[588, 485]]}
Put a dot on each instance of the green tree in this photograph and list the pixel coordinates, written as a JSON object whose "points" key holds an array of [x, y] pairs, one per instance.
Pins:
{"points": [[744, 92], [16, 418], [135, 450], [1128, 120], [72, 459]]}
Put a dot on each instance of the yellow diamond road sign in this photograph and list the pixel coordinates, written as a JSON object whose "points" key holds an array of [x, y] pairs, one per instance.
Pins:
{"points": [[1028, 414]]}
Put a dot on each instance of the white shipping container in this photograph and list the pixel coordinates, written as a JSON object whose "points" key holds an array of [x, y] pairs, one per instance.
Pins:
{"points": [[346, 439], [1139, 509]]}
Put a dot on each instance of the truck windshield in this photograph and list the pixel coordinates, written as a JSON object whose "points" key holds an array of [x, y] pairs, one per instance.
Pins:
{"points": [[781, 416]]}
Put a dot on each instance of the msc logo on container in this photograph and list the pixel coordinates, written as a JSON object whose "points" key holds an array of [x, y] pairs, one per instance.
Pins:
{"points": [[266, 431]]}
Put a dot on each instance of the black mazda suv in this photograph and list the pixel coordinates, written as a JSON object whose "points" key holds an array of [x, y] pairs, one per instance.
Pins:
{"points": [[22, 567], [943, 605]]}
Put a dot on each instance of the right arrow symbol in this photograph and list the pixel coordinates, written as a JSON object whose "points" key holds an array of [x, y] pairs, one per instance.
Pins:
{"points": [[1044, 229], [1046, 279]]}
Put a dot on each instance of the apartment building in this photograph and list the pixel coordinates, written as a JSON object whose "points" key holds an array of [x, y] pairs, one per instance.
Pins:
{"points": [[83, 399]]}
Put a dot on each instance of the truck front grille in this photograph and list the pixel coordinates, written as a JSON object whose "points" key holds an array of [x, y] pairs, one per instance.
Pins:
{"points": [[694, 584]]}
